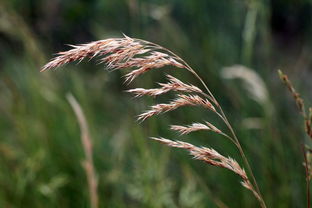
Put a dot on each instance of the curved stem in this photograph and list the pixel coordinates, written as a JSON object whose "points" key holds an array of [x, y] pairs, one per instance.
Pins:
{"points": [[241, 151], [237, 143], [234, 139]]}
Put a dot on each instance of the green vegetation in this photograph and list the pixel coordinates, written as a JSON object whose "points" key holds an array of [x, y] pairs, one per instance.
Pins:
{"points": [[40, 148]]}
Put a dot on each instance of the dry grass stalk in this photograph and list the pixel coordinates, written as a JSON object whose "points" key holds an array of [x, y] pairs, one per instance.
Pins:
{"points": [[308, 162], [174, 84], [213, 128], [194, 127], [143, 56], [307, 119], [212, 157], [190, 128], [182, 100], [197, 100], [309, 122], [300, 104], [87, 147], [297, 97]]}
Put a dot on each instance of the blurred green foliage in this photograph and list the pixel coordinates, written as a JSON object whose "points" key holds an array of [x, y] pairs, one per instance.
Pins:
{"points": [[40, 149]]}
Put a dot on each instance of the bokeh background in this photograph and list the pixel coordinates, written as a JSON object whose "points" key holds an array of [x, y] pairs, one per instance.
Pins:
{"points": [[236, 46]]}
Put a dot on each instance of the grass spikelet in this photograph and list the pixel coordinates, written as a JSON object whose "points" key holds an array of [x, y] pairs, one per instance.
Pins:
{"points": [[213, 128], [182, 100], [181, 86], [307, 118], [188, 129], [212, 157], [162, 108], [197, 100], [173, 85], [195, 127], [299, 101]]}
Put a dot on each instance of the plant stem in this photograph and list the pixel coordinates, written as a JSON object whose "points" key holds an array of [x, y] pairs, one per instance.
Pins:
{"points": [[237, 143], [307, 176], [224, 118], [88, 163]]}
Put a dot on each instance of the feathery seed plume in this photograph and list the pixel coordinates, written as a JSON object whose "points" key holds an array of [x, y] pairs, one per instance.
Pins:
{"points": [[118, 53]]}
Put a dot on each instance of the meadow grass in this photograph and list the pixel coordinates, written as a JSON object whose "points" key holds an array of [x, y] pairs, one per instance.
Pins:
{"points": [[40, 147]]}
